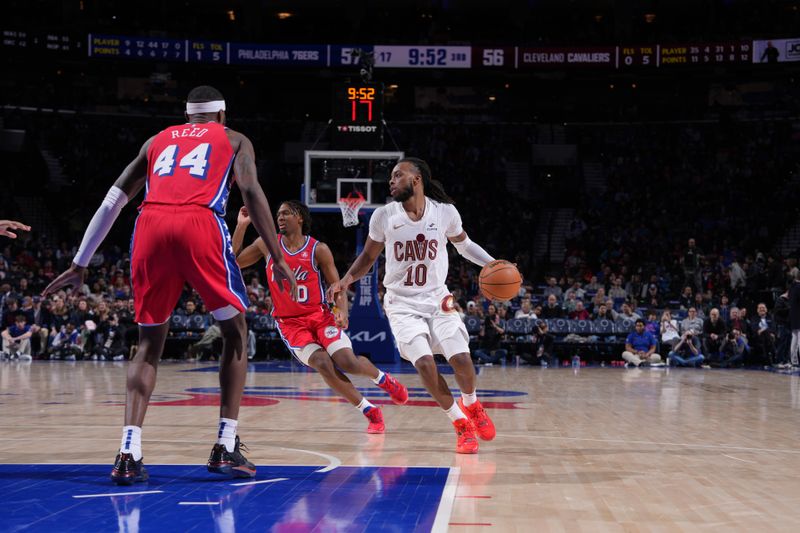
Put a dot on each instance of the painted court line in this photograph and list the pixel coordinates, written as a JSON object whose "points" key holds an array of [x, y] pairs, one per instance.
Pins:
{"points": [[440, 523], [198, 503], [736, 458], [246, 483], [333, 462], [118, 494]]}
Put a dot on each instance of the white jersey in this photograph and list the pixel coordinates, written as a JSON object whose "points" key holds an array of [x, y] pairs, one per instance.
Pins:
{"points": [[416, 252]]}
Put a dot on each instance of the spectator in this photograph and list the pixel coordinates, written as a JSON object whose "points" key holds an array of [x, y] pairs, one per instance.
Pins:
{"points": [[552, 309], [627, 313], [570, 303], [603, 312], [685, 353], [489, 339], [599, 298], [10, 313], [714, 331], [793, 298], [189, 308], [576, 290], [651, 325], [552, 288], [640, 347], [686, 299], [734, 349], [700, 306], [68, 343], [652, 297], [580, 313], [593, 285], [43, 320], [525, 310], [764, 335], [669, 331], [694, 324], [111, 340], [691, 265], [17, 340], [617, 292], [724, 308], [542, 342]]}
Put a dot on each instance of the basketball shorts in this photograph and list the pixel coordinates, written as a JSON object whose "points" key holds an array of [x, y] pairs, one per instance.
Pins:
{"points": [[306, 334], [173, 245], [425, 328]]}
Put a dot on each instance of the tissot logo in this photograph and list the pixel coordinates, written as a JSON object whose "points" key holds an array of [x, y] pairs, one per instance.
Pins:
{"points": [[364, 336]]}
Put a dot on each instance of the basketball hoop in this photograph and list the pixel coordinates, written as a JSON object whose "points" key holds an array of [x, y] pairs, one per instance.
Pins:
{"points": [[350, 205]]}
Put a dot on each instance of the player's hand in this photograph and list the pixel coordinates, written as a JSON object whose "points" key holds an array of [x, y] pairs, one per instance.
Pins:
{"points": [[338, 287], [6, 225], [341, 316], [282, 273], [243, 218], [72, 277]]}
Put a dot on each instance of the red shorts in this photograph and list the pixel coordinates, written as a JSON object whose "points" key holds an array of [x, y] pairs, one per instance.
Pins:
{"points": [[172, 245], [306, 334]]}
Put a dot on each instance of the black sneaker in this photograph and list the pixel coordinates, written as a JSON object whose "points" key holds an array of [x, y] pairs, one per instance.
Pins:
{"points": [[127, 471], [233, 463]]}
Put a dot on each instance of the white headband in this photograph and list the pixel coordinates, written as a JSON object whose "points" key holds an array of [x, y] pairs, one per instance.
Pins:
{"points": [[213, 106]]}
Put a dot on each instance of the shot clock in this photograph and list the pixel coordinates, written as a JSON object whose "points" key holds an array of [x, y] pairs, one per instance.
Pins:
{"points": [[358, 115]]}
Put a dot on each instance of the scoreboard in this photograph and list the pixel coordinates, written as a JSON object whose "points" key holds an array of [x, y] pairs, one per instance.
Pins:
{"points": [[358, 115], [706, 54]]}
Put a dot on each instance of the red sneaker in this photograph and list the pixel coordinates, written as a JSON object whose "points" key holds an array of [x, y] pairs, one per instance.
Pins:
{"points": [[466, 443], [375, 417], [397, 391], [484, 426]]}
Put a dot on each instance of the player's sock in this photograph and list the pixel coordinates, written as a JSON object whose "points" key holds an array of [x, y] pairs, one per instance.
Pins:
{"points": [[454, 413], [380, 378], [364, 406], [469, 399], [227, 433], [131, 441]]}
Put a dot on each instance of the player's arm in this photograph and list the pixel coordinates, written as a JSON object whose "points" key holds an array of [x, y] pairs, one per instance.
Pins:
{"points": [[7, 225], [258, 209], [254, 252], [469, 250], [128, 185], [324, 259], [360, 267]]}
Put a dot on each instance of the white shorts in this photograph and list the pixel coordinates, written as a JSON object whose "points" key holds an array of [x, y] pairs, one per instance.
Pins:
{"points": [[422, 328]]}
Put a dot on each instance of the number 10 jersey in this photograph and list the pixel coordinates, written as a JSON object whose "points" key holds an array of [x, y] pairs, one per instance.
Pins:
{"points": [[416, 251]]}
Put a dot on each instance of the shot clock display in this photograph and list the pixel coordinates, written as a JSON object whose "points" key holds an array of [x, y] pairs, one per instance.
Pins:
{"points": [[358, 114]]}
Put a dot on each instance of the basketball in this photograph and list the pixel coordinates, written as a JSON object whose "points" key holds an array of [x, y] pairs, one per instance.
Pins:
{"points": [[500, 280]]}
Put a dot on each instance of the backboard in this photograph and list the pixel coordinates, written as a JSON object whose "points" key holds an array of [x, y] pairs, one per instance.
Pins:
{"points": [[330, 175]]}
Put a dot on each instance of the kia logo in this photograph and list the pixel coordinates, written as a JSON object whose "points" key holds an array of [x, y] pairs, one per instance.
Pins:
{"points": [[364, 336]]}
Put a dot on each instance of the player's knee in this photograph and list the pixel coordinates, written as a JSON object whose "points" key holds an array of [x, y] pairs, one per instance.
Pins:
{"points": [[461, 361], [321, 362], [346, 362], [425, 365]]}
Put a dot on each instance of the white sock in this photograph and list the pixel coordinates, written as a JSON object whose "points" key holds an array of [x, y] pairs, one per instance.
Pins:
{"points": [[131, 441], [364, 406], [454, 413], [379, 379], [227, 433], [469, 399]]}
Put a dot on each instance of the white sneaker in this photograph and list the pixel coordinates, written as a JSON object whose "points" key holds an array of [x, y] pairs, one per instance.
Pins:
{"points": [[70, 357], [119, 357], [705, 366], [25, 357], [657, 365]]}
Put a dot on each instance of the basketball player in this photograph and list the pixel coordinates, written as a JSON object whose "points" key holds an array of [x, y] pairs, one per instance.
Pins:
{"points": [[307, 326], [415, 229], [180, 236]]}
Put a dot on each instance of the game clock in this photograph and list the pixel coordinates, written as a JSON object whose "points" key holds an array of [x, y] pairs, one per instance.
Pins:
{"points": [[358, 115]]}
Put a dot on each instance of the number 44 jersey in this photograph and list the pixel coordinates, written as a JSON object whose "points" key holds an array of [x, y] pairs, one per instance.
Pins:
{"points": [[190, 164], [416, 251]]}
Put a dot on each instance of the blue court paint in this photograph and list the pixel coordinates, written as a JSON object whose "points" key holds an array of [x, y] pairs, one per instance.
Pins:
{"points": [[371, 392], [290, 365], [54, 497]]}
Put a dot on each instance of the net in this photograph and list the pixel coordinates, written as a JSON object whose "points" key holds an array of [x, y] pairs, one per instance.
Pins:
{"points": [[350, 205]]}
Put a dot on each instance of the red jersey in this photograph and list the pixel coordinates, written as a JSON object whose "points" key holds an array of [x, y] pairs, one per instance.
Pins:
{"points": [[190, 164], [310, 293]]}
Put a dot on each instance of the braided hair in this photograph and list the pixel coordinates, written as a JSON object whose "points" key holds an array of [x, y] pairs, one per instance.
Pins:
{"points": [[433, 188], [303, 212]]}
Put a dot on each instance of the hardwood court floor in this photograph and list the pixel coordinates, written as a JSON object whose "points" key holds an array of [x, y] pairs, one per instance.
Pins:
{"points": [[600, 449]]}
